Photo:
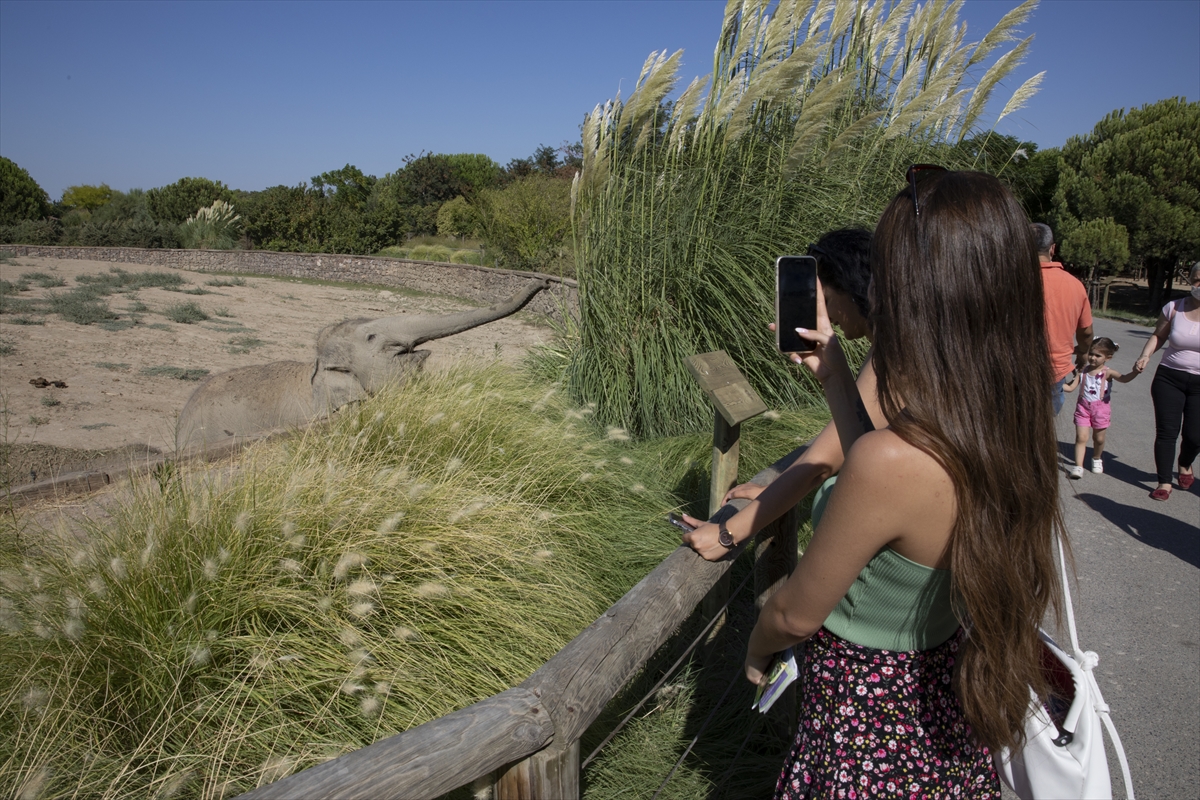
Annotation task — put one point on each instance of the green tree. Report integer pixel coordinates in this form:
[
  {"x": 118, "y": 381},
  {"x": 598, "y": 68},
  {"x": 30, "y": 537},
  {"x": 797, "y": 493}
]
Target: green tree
[
  {"x": 1142, "y": 169},
  {"x": 20, "y": 196},
  {"x": 285, "y": 218},
  {"x": 182, "y": 199},
  {"x": 1097, "y": 244},
  {"x": 87, "y": 197},
  {"x": 1031, "y": 174},
  {"x": 347, "y": 186},
  {"x": 124, "y": 207},
  {"x": 526, "y": 223},
  {"x": 457, "y": 218},
  {"x": 476, "y": 170}
]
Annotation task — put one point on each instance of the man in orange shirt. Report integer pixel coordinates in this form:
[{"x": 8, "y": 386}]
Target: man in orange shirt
[{"x": 1068, "y": 314}]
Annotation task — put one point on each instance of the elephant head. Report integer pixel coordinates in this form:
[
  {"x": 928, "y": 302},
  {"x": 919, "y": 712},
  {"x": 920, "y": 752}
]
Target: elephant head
[{"x": 359, "y": 356}]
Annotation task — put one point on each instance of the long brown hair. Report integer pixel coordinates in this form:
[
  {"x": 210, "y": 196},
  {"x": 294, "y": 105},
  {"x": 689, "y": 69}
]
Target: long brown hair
[{"x": 964, "y": 375}]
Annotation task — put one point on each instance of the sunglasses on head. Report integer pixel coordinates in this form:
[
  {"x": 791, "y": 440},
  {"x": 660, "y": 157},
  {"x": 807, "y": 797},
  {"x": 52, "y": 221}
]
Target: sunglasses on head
[{"x": 917, "y": 173}]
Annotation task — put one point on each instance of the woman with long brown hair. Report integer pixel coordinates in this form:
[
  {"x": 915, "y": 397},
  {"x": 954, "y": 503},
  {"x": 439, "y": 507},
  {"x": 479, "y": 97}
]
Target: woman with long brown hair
[{"x": 931, "y": 568}]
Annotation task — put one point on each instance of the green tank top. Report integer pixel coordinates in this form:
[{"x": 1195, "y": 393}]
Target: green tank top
[{"x": 894, "y": 603}]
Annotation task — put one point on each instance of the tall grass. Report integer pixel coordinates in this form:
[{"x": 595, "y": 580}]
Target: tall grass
[
  {"x": 215, "y": 227},
  {"x": 427, "y": 549},
  {"x": 812, "y": 112}
]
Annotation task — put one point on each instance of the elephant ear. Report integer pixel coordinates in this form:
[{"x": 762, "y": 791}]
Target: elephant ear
[{"x": 334, "y": 387}]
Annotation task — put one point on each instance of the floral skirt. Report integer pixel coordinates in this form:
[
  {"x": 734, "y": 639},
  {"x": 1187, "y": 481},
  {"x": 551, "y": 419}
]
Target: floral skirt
[{"x": 882, "y": 723}]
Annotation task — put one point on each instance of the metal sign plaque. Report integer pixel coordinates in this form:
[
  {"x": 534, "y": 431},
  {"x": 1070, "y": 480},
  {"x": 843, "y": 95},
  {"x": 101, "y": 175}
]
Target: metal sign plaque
[{"x": 726, "y": 386}]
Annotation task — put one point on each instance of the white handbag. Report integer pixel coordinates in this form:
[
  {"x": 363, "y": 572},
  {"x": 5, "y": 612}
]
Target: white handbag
[{"x": 1065, "y": 759}]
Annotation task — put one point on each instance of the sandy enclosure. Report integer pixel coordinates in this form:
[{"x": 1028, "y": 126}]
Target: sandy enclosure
[{"x": 120, "y": 391}]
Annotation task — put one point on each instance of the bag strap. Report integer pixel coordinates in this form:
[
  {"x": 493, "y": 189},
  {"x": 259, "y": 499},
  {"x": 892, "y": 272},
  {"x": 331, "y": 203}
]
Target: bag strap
[{"x": 1087, "y": 662}]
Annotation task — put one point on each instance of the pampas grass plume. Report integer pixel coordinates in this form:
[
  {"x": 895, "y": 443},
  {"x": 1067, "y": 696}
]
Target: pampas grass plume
[
  {"x": 432, "y": 589},
  {"x": 347, "y": 563},
  {"x": 404, "y": 634}
]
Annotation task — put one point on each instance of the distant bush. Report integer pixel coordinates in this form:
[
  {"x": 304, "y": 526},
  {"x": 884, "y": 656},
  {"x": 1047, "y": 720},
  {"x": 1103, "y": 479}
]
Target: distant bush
[
  {"x": 527, "y": 223},
  {"x": 44, "y": 280},
  {"x": 77, "y": 307},
  {"x": 38, "y": 232},
  {"x": 427, "y": 252},
  {"x": 20, "y": 196},
  {"x": 175, "y": 203},
  {"x": 185, "y": 313},
  {"x": 117, "y": 280},
  {"x": 467, "y": 257},
  {"x": 458, "y": 218}
]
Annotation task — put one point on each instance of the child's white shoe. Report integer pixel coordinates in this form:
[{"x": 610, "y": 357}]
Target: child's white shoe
[
  {"x": 1076, "y": 473},
  {"x": 1097, "y": 465}
]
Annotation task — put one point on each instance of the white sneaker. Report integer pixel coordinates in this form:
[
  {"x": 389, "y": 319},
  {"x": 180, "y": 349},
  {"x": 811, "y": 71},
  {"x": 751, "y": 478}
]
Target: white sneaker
[
  {"x": 1075, "y": 473},
  {"x": 1097, "y": 465}
]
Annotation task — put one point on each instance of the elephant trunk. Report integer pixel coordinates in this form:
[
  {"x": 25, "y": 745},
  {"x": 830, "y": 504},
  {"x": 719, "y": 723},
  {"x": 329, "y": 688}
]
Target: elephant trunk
[{"x": 457, "y": 323}]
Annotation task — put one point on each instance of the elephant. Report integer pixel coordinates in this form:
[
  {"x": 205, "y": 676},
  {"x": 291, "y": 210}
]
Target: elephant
[{"x": 355, "y": 358}]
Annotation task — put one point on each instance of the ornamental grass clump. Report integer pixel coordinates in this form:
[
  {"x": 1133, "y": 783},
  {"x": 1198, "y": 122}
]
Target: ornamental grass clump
[
  {"x": 422, "y": 551},
  {"x": 810, "y": 116},
  {"x": 213, "y": 228}
]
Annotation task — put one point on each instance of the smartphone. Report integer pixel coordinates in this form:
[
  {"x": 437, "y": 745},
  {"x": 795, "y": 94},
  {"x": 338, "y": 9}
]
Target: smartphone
[
  {"x": 795, "y": 302},
  {"x": 679, "y": 523}
]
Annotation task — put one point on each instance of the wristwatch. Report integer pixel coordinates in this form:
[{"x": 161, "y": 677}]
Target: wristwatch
[{"x": 724, "y": 537}]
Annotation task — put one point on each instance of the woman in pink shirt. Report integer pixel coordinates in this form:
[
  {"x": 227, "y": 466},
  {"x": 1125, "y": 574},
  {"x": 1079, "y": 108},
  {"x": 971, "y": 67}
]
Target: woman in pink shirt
[{"x": 1176, "y": 387}]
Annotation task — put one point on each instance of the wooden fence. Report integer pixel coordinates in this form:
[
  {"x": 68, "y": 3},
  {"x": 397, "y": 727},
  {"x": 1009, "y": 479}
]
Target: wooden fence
[{"x": 524, "y": 742}]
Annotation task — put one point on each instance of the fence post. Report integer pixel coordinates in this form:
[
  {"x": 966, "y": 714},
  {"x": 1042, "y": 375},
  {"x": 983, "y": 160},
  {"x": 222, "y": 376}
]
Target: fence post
[{"x": 549, "y": 774}]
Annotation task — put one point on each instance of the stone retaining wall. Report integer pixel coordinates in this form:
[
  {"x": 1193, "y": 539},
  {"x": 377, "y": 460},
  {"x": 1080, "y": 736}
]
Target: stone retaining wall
[{"x": 480, "y": 284}]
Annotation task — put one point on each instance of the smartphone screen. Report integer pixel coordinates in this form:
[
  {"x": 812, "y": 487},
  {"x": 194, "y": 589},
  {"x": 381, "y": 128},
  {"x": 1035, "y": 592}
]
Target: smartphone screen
[{"x": 795, "y": 301}]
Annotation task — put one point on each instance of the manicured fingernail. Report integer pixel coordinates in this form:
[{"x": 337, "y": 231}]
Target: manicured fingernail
[{"x": 801, "y": 330}]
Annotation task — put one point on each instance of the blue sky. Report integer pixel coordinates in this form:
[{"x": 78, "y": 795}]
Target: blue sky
[{"x": 254, "y": 94}]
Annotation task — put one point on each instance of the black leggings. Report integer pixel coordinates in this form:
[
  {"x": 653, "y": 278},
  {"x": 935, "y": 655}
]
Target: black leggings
[{"x": 1176, "y": 397}]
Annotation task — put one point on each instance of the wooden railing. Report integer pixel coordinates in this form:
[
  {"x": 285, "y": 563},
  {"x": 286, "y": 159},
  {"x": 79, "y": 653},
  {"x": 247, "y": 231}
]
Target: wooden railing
[{"x": 524, "y": 742}]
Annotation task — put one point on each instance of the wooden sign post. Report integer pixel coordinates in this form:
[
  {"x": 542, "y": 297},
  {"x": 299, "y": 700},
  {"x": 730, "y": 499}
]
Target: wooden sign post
[{"x": 735, "y": 402}]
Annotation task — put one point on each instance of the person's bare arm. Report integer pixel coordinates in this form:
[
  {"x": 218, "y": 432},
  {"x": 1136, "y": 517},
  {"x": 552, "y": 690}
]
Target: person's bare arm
[
  {"x": 1083, "y": 345},
  {"x": 1113, "y": 375},
  {"x": 1162, "y": 331},
  {"x": 1073, "y": 384},
  {"x": 822, "y": 459}
]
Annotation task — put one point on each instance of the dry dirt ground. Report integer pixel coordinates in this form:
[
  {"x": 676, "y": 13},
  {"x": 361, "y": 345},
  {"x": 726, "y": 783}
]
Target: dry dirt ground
[{"x": 120, "y": 395}]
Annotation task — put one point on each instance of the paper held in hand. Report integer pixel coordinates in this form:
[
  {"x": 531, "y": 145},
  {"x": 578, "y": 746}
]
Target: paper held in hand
[{"x": 781, "y": 675}]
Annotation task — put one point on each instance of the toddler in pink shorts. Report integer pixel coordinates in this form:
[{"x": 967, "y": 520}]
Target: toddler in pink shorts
[{"x": 1093, "y": 411}]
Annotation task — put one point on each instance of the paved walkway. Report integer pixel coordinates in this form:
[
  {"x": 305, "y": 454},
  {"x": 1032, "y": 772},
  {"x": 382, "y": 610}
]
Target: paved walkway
[{"x": 1137, "y": 602}]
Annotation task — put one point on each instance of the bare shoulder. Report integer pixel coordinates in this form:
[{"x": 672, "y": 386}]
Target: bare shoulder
[{"x": 897, "y": 470}]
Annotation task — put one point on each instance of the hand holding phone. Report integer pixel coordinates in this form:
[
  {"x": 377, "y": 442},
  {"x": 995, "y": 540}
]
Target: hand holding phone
[
  {"x": 675, "y": 520},
  {"x": 795, "y": 302}
]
